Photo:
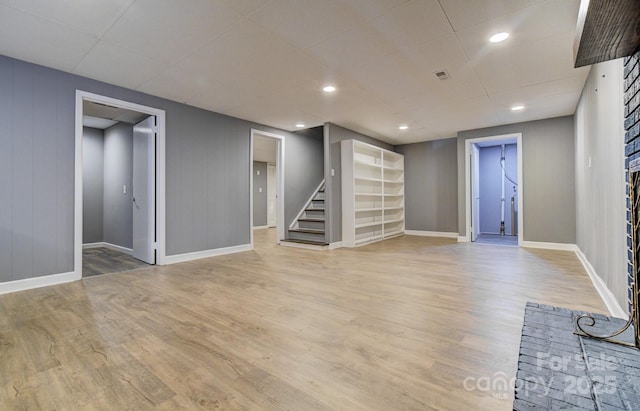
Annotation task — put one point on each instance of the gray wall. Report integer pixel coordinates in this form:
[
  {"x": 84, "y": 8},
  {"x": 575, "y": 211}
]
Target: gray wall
[
  {"x": 118, "y": 172},
  {"x": 92, "y": 184},
  {"x": 333, "y": 135},
  {"x": 207, "y": 170},
  {"x": 259, "y": 194},
  {"x": 548, "y": 178},
  {"x": 600, "y": 177},
  {"x": 431, "y": 185},
  {"x": 304, "y": 169},
  {"x": 490, "y": 187}
]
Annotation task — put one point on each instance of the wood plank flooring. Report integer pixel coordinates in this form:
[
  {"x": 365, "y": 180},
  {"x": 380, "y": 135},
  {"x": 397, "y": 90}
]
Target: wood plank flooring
[
  {"x": 103, "y": 260},
  {"x": 394, "y": 325}
]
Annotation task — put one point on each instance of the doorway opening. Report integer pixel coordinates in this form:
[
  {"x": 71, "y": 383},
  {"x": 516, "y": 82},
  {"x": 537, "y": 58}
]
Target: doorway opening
[
  {"x": 119, "y": 185},
  {"x": 267, "y": 184},
  {"x": 494, "y": 211}
]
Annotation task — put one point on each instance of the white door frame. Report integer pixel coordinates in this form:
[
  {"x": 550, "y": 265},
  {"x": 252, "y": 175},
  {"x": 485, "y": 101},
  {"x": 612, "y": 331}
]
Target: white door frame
[
  {"x": 467, "y": 173},
  {"x": 160, "y": 174},
  {"x": 272, "y": 184},
  {"x": 279, "y": 183}
]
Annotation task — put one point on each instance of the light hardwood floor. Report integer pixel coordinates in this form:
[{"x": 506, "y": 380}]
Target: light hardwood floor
[{"x": 395, "y": 325}]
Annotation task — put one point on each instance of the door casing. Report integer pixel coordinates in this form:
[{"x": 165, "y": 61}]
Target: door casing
[{"x": 160, "y": 174}]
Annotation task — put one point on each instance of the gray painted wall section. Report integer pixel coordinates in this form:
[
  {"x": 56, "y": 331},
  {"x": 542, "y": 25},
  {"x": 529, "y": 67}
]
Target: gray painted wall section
[
  {"x": 490, "y": 187},
  {"x": 431, "y": 185},
  {"x": 304, "y": 168},
  {"x": 548, "y": 177},
  {"x": 333, "y": 135},
  {"x": 259, "y": 194},
  {"x": 92, "y": 185},
  {"x": 600, "y": 176},
  {"x": 207, "y": 170},
  {"x": 118, "y": 172}
]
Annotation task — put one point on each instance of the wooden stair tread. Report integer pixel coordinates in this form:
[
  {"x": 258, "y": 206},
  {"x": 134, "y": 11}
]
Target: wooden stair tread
[
  {"x": 311, "y": 242},
  {"x": 315, "y": 220},
  {"x": 307, "y": 231},
  {"x": 314, "y": 209}
]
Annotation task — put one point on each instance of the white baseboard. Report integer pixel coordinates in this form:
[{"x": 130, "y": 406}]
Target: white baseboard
[
  {"x": 260, "y": 227},
  {"x": 463, "y": 239},
  {"x": 304, "y": 246},
  {"x": 549, "y": 246},
  {"x": 605, "y": 293},
  {"x": 37, "y": 282},
  {"x": 419, "y": 233},
  {"x": 180, "y": 258},
  {"x": 337, "y": 244},
  {"x": 108, "y": 245}
]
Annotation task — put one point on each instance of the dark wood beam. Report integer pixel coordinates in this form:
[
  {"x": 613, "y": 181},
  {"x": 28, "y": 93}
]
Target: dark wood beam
[{"x": 607, "y": 30}]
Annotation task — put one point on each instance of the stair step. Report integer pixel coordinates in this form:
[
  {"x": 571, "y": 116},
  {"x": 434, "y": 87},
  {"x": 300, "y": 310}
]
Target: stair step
[
  {"x": 311, "y": 242},
  {"x": 318, "y": 199},
  {"x": 314, "y": 209},
  {"x": 307, "y": 231},
  {"x": 311, "y": 219}
]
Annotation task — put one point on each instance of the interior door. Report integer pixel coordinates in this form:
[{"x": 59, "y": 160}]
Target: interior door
[
  {"x": 271, "y": 195},
  {"x": 144, "y": 190},
  {"x": 475, "y": 192}
]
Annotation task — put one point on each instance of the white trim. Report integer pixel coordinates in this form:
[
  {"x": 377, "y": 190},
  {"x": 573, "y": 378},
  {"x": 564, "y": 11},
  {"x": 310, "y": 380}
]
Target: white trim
[
  {"x": 463, "y": 239},
  {"x": 180, "y": 258},
  {"x": 334, "y": 245},
  {"x": 520, "y": 190},
  {"x": 420, "y": 233},
  {"x": 108, "y": 245},
  {"x": 549, "y": 246},
  {"x": 160, "y": 174},
  {"x": 37, "y": 282},
  {"x": 261, "y": 227},
  {"x": 294, "y": 223},
  {"x": 279, "y": 183},
  {"x": 605, "y": 293},
  {"x": 304, "y": 246}
]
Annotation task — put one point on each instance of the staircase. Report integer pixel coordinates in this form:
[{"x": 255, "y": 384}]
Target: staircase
[{"x": 309, "y": 227}]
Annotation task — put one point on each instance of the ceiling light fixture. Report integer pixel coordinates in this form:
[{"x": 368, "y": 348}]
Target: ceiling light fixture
[
  {"x": 517, "y": 108},
  {"x": 329, "y": 89},
  {"x": 300, "y": 125},
  {"x": 403, "y": 127},
  {"x": 498, "y": 37}
]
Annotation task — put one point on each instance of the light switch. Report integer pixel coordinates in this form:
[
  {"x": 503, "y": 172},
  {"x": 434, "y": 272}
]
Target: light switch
[
  {"x": 258, "y": 172},
  {"x": 333, "y": 172},
  {"x": 260, "y": 190},
  {"x": 124, "y": 189}
]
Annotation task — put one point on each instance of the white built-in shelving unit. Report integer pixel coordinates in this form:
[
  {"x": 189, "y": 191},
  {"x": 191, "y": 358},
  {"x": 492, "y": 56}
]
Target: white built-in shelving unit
[{"x": 372, "y": 193}]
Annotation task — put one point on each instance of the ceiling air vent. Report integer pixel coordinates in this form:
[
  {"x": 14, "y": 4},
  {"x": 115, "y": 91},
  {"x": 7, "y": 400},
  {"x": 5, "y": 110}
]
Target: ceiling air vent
[{"x": 441, "y": 74}]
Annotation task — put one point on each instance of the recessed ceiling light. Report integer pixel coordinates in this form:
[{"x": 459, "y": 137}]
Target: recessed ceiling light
[
  {"x": 517, "y": 108},
  {"x": 329, "y": 89},
  {"x": 498, "y": 37},
  {"x": 403, "y": 127},
  {"x": 300, "y": 125}
]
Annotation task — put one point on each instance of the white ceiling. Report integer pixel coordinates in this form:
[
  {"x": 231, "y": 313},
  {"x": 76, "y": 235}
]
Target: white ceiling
[{"x": 267, "y": 60}]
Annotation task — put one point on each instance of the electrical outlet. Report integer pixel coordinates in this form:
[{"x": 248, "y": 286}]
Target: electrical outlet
[
  {"x": 257, "y": 172},
  {"x": 333, "y": 172},
  {"x": 260, "y": 190},
  {"x": 124, "y": 189}
]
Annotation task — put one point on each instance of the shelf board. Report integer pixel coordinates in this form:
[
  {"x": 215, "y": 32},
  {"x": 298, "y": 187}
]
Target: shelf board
[
  {"x": 394, "y": 195},
  {"x": 369, "y": 224},
  {"x": 377, "y": 180},
  {"x": 369, "y": 194},
  {"x": 397, "y": 220},
  {"x": 393, "y": 208},
  {"x": 367, "y": 164},
  {"x": 368, "y": 210},
  {"x": 392, "y": 182}
]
